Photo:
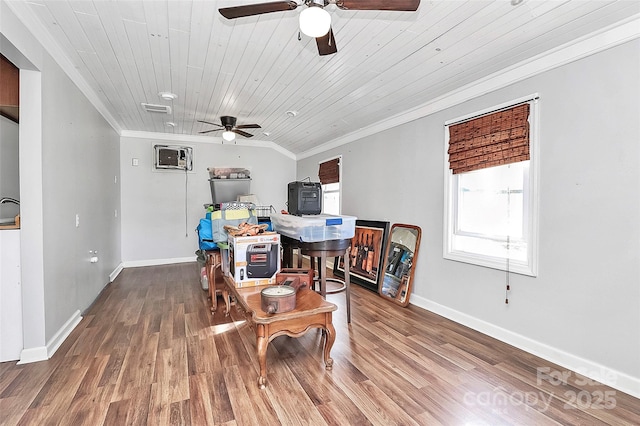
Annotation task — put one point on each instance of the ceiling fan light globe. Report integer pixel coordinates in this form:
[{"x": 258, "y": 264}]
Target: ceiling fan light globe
[
  {"x": 228, "y": 135},
  {"x": 315, "y": 21}
]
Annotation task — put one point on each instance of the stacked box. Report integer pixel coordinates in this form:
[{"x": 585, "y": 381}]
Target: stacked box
[{"x": 254, "y": 260}]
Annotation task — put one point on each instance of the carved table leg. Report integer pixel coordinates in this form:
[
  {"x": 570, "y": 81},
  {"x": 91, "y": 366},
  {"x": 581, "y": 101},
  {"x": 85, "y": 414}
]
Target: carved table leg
[
  {"x": 262, "y": 342},
  {"x": 227, "y": 303},
  {"x": 328, "y": 344}
]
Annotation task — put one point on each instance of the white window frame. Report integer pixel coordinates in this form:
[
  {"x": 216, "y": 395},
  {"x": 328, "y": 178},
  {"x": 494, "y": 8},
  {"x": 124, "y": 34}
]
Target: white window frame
[
  {"x": 531, "y": 202},
  {"x": 339, "y": 191}
]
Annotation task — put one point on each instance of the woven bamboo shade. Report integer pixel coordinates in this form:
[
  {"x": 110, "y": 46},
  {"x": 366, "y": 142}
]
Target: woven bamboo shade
[
  {"x": 329, "y": 171},
  {"x": 491, "y": 140}
]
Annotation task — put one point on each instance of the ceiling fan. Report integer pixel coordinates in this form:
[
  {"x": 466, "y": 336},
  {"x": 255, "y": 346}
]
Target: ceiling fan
[
  {"x": 228, "y": 124},
  {"x": 315, "y": 21}
]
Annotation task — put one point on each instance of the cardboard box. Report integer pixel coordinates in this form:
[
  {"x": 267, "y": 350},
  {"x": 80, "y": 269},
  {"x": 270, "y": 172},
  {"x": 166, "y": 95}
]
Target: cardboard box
[{"x": 254, "y": 260}]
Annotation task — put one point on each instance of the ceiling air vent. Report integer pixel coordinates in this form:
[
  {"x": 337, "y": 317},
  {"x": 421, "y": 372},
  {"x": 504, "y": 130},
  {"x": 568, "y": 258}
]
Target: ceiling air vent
[{"x": 164, "y": 109}]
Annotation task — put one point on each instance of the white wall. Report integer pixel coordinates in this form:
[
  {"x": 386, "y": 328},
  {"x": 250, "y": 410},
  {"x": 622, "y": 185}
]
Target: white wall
[
  {"x": 155, "y": 227},
  {"x": 583, "y": 309}
]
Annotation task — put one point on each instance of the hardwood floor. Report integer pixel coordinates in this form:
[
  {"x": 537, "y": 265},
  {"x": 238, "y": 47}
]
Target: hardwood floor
[{"x": 150, "y": 352}]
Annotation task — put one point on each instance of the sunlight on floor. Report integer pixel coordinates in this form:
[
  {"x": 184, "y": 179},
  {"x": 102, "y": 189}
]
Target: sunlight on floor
[{"x": 223, "y": 328}]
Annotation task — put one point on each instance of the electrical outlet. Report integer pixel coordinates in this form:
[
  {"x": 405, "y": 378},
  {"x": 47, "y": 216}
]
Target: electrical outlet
[
  {"x": 77, "y": 220},
  {"x": 134, "y": 162},
  {"x": 115, "y": 213}
]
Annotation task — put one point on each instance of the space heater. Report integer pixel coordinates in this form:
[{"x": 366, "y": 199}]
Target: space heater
[
  {"x": 304, "y": 198},
  {"x": 262, "y": 260}
]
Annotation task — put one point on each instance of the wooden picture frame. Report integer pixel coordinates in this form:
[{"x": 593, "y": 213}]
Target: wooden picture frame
[{"x": 367, "y": 252}]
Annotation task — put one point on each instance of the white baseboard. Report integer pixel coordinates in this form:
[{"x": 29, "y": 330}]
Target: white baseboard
[
  {"x": 54, "y": 343},
  {"x": 601, "y": 373},
  {"x": 116, "y": 272},
  {"x": 33, "y": 355},
  {"x": 43, "y": 353},
  {"x": 154, "y": 262}
]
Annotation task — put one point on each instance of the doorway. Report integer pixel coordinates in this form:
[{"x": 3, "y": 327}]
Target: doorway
[{"x": 28, "y": 315}]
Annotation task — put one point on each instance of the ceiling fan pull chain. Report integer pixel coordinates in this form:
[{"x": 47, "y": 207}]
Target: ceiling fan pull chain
[{"x": 299, "y": 36}]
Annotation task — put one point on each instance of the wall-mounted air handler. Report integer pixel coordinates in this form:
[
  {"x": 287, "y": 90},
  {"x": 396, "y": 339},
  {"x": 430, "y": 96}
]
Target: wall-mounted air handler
[{"x": 173, "y": 157}]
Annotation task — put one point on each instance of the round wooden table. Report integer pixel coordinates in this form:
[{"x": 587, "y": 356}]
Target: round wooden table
[{"x": 321, "y": 250}]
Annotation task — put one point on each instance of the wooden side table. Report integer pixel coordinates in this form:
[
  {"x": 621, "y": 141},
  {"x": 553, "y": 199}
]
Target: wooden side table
[{"x": 311, "y": 311}]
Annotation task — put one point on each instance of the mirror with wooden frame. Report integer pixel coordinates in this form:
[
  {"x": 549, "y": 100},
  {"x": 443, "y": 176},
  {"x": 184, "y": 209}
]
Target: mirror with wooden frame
[{"x": 400, "y": 262}]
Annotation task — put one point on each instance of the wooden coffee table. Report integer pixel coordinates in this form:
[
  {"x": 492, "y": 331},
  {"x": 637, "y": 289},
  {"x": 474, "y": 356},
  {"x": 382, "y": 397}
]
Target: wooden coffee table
[{"x": 311, "y": 311}]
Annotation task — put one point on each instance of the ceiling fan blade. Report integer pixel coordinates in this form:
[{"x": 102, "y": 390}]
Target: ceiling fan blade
[
  {"x": 257, "y": 9},
  {"x": 241, "y": 133},
  {"x": 326, "y": 44},
  {"x": 208, "y": 122},
  {"x": 400, "y": 5},
  {"x": 249, "y": 126},
  {"x": 209, "y": 131}
]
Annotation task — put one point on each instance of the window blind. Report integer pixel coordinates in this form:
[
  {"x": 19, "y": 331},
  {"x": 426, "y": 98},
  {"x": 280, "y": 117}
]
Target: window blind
[
  {"x": 491, "y": 140},
  {"x": 329, "y": 171}
]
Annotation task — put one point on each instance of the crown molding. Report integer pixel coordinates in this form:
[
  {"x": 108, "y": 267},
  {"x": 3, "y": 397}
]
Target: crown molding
[
  {"x": 176, "y": 137},
  {"x": 614, "y": 35}
]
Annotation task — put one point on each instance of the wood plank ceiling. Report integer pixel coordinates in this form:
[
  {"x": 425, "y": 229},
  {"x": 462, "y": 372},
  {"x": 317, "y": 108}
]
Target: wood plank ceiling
[{"x": 258, "y": 68}]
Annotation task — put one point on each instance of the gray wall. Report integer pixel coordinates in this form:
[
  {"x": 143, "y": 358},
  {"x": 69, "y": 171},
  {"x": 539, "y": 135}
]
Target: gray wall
[
  {"x": 584, "y": 306},
  {"x": 80, "y": 176},
  {"x": 155, "y": 227},
  {"x": 69, "y": 157},
  {"x": 9, "y": 169}
]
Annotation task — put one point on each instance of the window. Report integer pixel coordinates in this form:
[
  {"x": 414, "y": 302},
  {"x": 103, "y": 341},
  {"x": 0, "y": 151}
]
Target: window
[
  {"x": 329, "y": 174},
  {"x": 490, "y": 195}
]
